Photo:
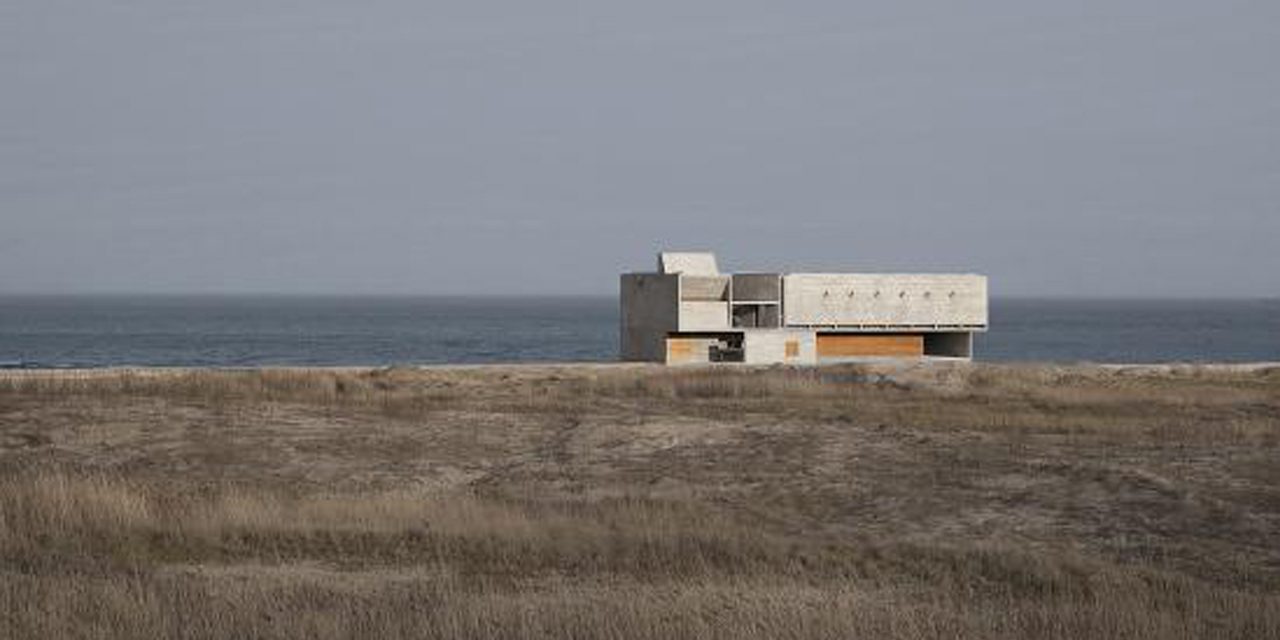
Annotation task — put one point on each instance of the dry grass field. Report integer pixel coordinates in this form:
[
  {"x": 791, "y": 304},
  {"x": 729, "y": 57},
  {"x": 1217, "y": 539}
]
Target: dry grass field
[{"x": 910, "y": 502}]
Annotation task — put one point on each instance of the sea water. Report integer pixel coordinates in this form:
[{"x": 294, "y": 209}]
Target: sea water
[{"x": 230, "y": 331}]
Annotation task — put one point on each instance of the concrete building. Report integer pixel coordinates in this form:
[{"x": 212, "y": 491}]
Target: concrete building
[{"x": 689, "y": 312}]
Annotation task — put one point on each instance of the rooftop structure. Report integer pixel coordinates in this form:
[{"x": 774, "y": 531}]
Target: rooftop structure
[{"x": 688, "y": 312}]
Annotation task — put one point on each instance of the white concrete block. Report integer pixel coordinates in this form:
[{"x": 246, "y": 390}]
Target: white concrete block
[
  {"x": 779, "y": 346},
  {"x": 704, "y": 315},
  {"x": 692, "y": 263},
  {"x": 888, "y": 300}
]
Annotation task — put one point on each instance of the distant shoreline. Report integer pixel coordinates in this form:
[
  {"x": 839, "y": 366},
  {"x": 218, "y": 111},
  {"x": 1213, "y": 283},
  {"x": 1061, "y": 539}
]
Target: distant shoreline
[{"x": 877, "y": 365}]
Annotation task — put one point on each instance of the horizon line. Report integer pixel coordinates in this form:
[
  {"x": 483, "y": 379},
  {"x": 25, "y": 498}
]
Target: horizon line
[{"x": 489, "y": 295}]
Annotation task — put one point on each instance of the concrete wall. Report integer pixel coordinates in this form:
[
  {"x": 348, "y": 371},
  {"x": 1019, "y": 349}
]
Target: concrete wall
[
  {"x": 702, "y": 315},
  {"x": 757, "y": 287},
  {"x": 884, "y": 301},
  {"x": 699, "y": 263},
  {"x": 650, "y": 310},
  {"x": 704, "y": 287},
  {"x": 779, "y": 346}
]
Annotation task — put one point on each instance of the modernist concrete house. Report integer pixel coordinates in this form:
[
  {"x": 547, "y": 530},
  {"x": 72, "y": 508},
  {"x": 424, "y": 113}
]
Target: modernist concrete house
[{"x": 688, "y": 312}]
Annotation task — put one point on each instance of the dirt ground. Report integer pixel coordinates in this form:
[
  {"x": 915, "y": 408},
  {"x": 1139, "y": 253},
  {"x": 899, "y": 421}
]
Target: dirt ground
[{"x": 848, "y": 495}]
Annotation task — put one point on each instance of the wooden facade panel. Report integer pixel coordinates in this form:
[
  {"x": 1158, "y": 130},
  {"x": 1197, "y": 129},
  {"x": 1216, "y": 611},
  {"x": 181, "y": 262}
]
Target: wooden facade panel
[
  {"x": 869, "y": 345},
  {"x": 689, "y": 350},
  {"x": 793, "y": 349}
]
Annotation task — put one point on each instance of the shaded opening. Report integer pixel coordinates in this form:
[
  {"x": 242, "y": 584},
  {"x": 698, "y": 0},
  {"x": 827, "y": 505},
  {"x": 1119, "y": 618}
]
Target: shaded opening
[
  {"x": 756, "y": 316},
  {"x": 951, "y": 344}
]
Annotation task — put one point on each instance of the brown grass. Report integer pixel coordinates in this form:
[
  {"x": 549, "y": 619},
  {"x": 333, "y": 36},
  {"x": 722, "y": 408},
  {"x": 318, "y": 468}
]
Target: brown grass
[{"x": 636, "y": 502}]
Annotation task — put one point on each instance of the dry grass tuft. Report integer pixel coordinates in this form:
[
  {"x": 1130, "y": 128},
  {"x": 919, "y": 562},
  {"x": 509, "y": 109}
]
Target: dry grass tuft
[{"x": 623, "y": 502}]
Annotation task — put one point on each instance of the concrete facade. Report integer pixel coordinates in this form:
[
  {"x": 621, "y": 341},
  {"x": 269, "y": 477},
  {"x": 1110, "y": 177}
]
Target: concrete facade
[
  {"x": 769, "y": 346},
  {"x": 650, "y": 313},
  {"x": 885, "y": 301},
  {"x": 688, "y": 312}
]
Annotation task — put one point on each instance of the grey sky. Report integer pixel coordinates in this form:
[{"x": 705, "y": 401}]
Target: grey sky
[{"x": 1094, "y": 147}]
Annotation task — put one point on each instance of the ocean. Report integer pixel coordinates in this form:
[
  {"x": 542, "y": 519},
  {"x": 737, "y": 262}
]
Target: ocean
[{"x": 241, "y": 331}]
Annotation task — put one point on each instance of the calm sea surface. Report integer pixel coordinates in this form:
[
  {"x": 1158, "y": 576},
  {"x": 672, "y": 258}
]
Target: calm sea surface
[{"x": 92, "y": 331}]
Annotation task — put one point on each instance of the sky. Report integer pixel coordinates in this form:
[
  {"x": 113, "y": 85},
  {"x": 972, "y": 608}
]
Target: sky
[{"x": 1088, "y": 148}]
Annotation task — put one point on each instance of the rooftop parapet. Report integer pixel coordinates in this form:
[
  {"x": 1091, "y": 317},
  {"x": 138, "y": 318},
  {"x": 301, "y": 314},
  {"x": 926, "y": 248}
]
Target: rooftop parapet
[{"x": 690, "y": 263}]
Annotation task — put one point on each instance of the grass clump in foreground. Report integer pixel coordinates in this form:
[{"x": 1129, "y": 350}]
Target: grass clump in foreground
[{"x": 551, "y": 502}]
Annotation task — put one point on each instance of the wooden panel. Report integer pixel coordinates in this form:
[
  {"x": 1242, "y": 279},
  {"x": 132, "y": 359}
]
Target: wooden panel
[
  {"x": 680, "y": 348},
  {"x": 859, "y": 345},
  {"x": 793, "y": 348},
  {"x": 688, "y": 350}
]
